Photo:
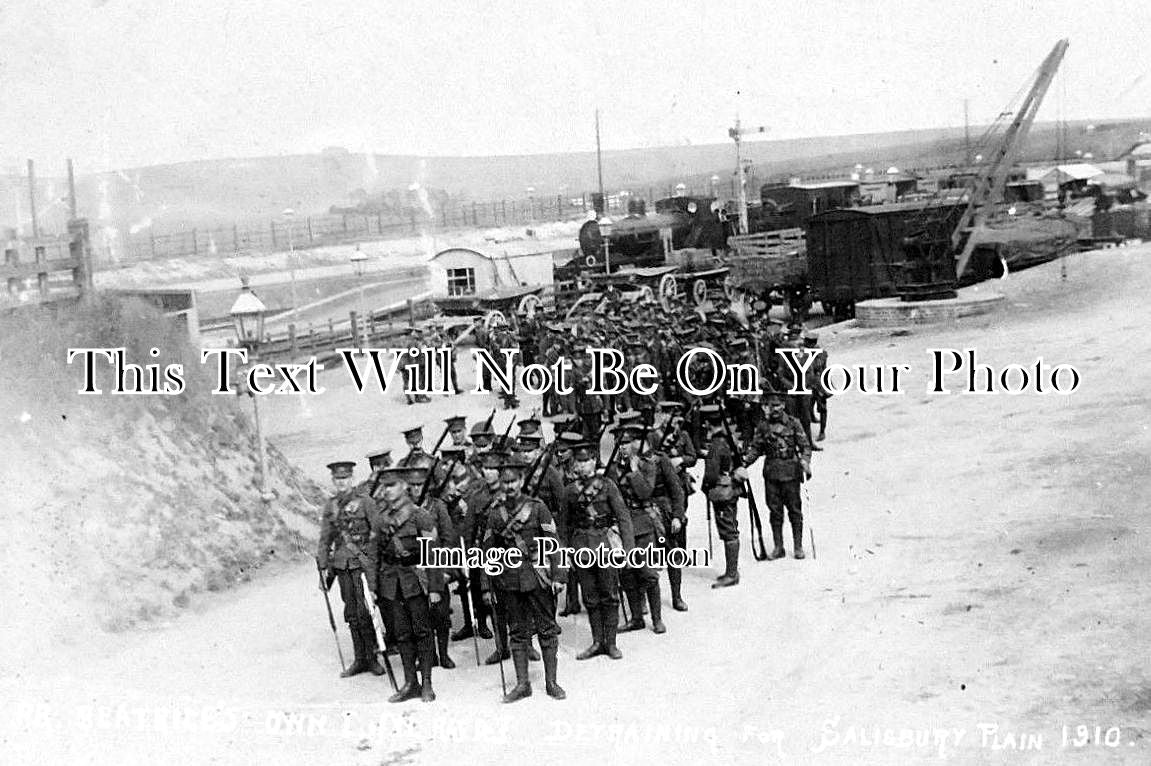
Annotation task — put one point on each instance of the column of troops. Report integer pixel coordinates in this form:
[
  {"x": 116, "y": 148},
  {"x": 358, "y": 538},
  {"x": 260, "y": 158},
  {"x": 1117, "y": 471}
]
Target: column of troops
[{"x": 479, "y": 488}]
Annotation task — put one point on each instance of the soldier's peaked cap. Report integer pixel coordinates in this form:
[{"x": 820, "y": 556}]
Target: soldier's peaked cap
[
  {"x": 414, "y": 430},
  {"x": 584, "y": 451},
  {"x": 669, "y": 405},
  {"x": 342, "y": 469},
  {"x": 380, "y": 453},
  {"x": 569, "y": 440},
  {"x": 415, "y": 474},
  {"x": 456, "y": 421},
  {"x": 493, "y": 458},
  {"x": 514, "y": 467},
  {"x": 710, "y": 411},
  {"x": 482, "y": 428},
  {"x": 392, "y": 475},
  {"x": 628, "y": 431},
  {"x": 530, "y": 421},
  {"x": 628, "y": 417}
]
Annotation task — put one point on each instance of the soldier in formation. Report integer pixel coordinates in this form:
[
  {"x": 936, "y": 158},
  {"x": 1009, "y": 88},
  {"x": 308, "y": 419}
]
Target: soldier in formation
[
  {"x": 342, "y": 556},
  {"x": 484, "y": 489},
  {"x": 525, "y": 595}
]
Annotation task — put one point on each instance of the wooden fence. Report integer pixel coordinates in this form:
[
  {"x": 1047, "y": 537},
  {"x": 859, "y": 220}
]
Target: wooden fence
[
  {"x": 44, "y": 269},
  {"x": 380, "y": 328}
]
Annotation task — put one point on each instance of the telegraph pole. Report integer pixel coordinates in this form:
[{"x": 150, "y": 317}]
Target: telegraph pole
[
  {"x": 599, "y": 161},
  {"x": 736, "y": 134}
]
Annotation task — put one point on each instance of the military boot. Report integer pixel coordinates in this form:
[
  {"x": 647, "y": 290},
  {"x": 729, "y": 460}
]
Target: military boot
[
  {"x": 501, "y": 653},
  {"x": 635, "y": 606},
  {"x": 595, "y": 622},
  {"x": 571, "y": 599},
  {"x": 797, "y": 537},
  {"x": 360, "y": 663},
  {"x": 777, "y": 540},
  {"x": 411, "y": 688},
  {"x": 426, "y": 693},
  {"x": 731, "y": 558},
  {"x": 675, "y": 577},
  {"x": 655, "y": 601},
  {"x": 609, "y": 631},
  {"x": 442, "y": 647},
  {"x": 370, "y": 651},
  {"x": 551, "y": 661},
  {"x": 523, "y": 687},
  {"x": 466, "y": 631}
]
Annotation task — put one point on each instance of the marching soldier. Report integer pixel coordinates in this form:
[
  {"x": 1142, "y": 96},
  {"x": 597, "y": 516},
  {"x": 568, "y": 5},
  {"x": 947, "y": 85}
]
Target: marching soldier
[
  {"x": 483, "y": 435},
  {"x": 819, "y": 394},
  {"x": 594, "y": 514},
  {"x": 345, "y": 529},
  {"x": 458, "y": 431},
  {"x": 480, "y": 495},
  {"x": 651, "y": 490},
  {"x": 459, "y": 485},
  {"x": 527, "y": 593},
  {"x": 796, "y": 405},
  {"x": 416, "y": 457},
  {"x": 400, "y": 585},
  {"x": 438, "y": 579},
  {"x": 722, "y": 492},
  {"x": 562, "y": 466},
  {"x": 787, "y": 462},
  {"x": 669, "y": 438},
  {"x": 377, "y": 461}
]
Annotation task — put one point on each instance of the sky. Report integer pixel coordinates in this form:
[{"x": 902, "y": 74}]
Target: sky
[{"x": 124, "y": 83}]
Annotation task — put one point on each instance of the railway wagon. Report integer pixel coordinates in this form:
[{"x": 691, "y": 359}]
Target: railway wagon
[{"x": 858, "y": 253}]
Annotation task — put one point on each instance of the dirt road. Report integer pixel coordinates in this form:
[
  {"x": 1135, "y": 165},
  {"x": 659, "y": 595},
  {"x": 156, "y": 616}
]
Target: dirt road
[{"x": 980, "y": 585}]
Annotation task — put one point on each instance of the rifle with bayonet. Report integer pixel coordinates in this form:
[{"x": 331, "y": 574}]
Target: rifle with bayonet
[
  {"x": 324, "y": 585},
  {"x": 378, "y": 627},
  {"x": 502, "y": 442}
]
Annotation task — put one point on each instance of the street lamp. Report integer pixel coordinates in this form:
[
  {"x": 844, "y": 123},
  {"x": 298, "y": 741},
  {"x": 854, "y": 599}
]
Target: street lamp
[
  {"x": 358, "y": 259},
  {"x": 289, "y": 214},
  {"x": 248, "y": 314}
]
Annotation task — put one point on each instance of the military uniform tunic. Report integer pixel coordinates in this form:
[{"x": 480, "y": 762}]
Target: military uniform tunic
[
  {"x": 394, "y": 549},
  {"x": 524, "y": 592},
  {"x": 786, "y": 453},
  {"x": 594, "y": 514},
  {"x": 345, "y": 530}
]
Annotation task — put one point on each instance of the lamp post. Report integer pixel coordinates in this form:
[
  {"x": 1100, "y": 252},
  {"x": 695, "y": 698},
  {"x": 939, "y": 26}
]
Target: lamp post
[
  {"x": 289, "y": 215},
  {"x": 358, "y": 259},
  {"x": 248, "y": 314}
]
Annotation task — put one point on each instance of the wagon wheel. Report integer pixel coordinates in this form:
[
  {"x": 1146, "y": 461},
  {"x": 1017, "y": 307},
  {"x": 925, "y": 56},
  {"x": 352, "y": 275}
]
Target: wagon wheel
[
  {"x": 646, "y": 295},
  {"x": 668, "y": 291},
  {"x": 529, "y": 304},
  {"x": 730, "y": 289},
  {"x": 494, "y": 318},
  {"x": 699, "y": 291}
]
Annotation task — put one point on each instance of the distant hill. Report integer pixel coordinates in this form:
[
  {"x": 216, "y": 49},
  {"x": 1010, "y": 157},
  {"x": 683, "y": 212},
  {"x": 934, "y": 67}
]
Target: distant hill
[{"x": 247, "y": 190}]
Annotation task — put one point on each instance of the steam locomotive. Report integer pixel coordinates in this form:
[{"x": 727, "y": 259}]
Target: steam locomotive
[{"x": 642, "y": 239}]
